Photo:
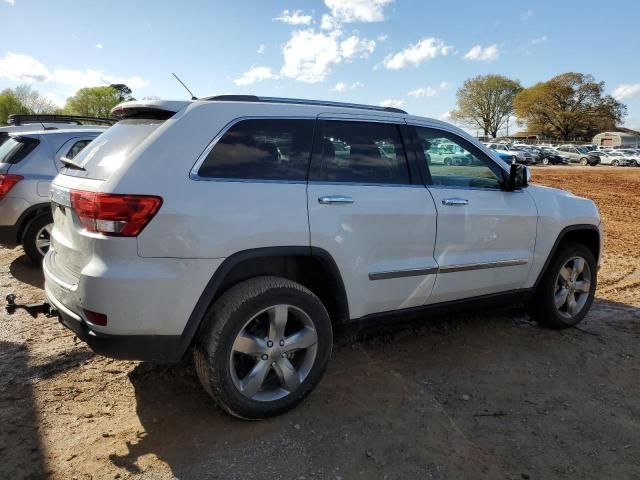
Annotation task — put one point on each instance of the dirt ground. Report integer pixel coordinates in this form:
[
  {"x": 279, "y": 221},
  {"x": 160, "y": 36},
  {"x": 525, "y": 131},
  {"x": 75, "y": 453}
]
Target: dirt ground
[{"x": 481, "y": 395}]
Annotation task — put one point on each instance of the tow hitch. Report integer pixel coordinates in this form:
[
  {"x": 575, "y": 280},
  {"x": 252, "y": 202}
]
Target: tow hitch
[{"x": 33, "y": 309}]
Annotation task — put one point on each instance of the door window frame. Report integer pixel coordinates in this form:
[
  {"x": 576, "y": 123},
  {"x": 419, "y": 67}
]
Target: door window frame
[
  {"x": 497, "y": 170},
  {"x": 404, "y": 134}
]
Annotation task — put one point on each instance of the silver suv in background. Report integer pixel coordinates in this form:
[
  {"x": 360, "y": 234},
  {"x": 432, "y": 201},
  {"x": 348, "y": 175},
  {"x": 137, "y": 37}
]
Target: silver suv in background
[{"x": 28, "y": 162}]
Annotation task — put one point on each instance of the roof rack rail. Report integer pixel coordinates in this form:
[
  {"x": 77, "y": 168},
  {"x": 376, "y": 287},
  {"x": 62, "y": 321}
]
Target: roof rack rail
[
  {"x": 299, "y": 101},
  {"x": 16, "y": 120}
]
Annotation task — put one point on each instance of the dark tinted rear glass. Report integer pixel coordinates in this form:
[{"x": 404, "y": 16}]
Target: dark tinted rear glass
[
  {"x": 15, "y": 149},
  {"x": 269, "y": 149},
  {"x": 361, "y": 152}
]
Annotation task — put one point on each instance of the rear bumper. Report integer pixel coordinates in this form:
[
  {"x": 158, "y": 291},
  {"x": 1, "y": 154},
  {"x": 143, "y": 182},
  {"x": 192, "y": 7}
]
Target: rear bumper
[{"x": 153, "y": 348}]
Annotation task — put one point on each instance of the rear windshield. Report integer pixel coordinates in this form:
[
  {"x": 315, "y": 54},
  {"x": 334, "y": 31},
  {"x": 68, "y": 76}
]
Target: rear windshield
[
  {"x": 107, "y": 153},
  {"x": 14, "y": 149}
]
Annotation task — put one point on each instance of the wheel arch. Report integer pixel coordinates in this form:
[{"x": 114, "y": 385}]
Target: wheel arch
[
  {"x": 28, "y": 216},
  {"x": 312, "y": 267},
  {"x": 585, "y": 234}
]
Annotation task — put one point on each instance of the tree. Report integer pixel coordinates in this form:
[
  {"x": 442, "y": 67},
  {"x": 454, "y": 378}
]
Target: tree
[
  {"x": 33, "y": 101},
  {"x": 10, "y": 104},
  {"x": 124, "y": 92},
  {"x": 569, "y": 106},
  {"x": 93, "y": 101},
  {"x": 486, "y": 102}
]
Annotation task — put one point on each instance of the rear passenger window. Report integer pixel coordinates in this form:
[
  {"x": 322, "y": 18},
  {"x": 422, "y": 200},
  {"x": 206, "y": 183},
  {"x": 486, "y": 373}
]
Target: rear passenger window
[
  {"x": 360, "y": 152},
  {"x": 270, "y": 149}
]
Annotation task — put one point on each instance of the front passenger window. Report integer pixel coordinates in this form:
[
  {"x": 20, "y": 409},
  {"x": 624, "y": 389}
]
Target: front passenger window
[{"x": 454, "y": 162}]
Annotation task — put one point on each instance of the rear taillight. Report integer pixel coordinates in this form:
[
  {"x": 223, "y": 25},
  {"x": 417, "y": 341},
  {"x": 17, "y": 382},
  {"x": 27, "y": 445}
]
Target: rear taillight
[
  {"x": 7, "y": 181},
  {"x": 114, "y": 214}
]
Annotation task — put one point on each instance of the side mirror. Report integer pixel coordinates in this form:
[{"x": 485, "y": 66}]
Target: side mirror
[{"x": 519, "y": 176}]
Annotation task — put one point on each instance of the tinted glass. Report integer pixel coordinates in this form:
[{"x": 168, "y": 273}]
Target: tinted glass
[
  {"x": 15, "y": 149},
  {"x": 362, "y": 152},
  {"x": 270, "y": 149},
  {"x": 454, "y": 162},
  {"x": 77, "y": 148}
]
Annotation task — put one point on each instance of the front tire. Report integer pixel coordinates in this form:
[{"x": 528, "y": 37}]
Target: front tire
[
  {"x": 615, "y": 163},
  {"x": 584, "y": 162},
  {"x": 264, "y": 347},
  {"x": 545, "y": 161},
  {"x": 37, "y": 238},
  {"x": 565, "y": 292}
]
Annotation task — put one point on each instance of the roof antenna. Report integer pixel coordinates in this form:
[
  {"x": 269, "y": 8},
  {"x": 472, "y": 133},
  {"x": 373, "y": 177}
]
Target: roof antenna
[{"x": 193, "y": 97}]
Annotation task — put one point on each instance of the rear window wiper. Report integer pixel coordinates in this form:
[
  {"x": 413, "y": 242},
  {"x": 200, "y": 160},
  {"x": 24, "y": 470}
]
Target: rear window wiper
[{"x": 67, "y": 162}]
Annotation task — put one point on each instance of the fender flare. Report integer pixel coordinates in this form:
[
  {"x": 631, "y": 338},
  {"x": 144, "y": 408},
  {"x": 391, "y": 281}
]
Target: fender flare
[
  {"x": 213, "y": 286},
  {"x": 563, "y": 233}
]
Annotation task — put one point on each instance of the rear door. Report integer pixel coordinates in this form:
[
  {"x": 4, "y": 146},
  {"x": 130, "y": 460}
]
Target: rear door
[
  {"x": 485, "y": 235},
  {"x": 375, "y": 219}
]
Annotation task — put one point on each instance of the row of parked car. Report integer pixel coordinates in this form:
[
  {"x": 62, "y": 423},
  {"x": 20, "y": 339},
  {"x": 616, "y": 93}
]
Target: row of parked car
[
  {"x": 33, "y": 149},
  {"x": 566, "y": 154},
  {"x": 246, "y": 230}
]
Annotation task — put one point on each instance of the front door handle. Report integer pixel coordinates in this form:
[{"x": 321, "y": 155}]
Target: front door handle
[
  {"x": 455, "y": 201},
  {"x": 333, "y": 199}
]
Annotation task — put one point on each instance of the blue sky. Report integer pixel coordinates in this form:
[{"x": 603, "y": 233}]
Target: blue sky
[{"x": 411, "y": 53}]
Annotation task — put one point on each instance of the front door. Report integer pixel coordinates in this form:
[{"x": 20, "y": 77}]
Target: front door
[{"x": 485, "y": 235}]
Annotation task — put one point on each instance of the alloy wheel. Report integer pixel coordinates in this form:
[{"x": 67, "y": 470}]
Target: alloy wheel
[
  {"x": 572, "y": 287},
  {"x": 273, "y": 353},
  {"x": 43, "y": 239}
]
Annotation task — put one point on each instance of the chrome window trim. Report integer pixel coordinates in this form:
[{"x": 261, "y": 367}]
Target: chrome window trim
[
  {"x": 193, "y": 174},
  {"x": 390, "y": 274},
  {"x": 365, "y": 184}
]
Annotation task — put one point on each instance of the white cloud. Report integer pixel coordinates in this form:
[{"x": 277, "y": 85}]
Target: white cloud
[
  {"x": 55, "y": 99},
  {"x": 423, "y": 92},
  {"x": 343, "y": 87},
  {"x": 487, "y": 54},
  {"x": 26, "y": 69},
  {"x": 526, "y": 15},
  {"x": 310, "y": 56},
  {"x": 446, "y": 116},
  {"x": 392, "y": 102},
  {"x": 294, "y": 18},
  {"x": 538, "y": 40},
  {"x": 427, "y": 91},
  {"x": 261, "y": 49},
  {"x": 383, "y": 37},
  {"x": 340, "y": 87},
  {"x": 11, "y": 2},
  {"x": 255, "y": 74},
  {"x": 349, "y": 11},
  {"x": 425, "y": 49},
  {"x": 22, "y": 68},
  {"x": 99, "y": 45},
  {"x": 628, "y": 90},
  {"x": 329, "y": 23},
  {"x": 354, "y": 46}
]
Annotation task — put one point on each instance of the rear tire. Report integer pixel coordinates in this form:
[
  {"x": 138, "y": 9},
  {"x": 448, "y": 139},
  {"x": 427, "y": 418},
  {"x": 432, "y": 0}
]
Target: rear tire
[
  {"x": 37, "y": 238},
  {"x": 615, "y": 163},
  {"x": 566, "y": 290},
  {"x": 264, "y": 346},
  {"x": 545, "y": 161}
]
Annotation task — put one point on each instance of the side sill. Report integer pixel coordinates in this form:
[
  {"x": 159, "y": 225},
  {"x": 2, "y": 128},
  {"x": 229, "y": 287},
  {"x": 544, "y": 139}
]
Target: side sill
[{"x": 496, "y": 301}]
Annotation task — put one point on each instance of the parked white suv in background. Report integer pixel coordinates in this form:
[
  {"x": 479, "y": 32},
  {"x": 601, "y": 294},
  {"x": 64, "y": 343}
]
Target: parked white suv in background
[{"x": 247, "y": 229}]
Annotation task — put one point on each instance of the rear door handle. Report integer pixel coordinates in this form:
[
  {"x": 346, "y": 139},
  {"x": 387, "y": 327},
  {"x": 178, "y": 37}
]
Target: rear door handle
[
  {"x": 333, "y": 199},
  {"x": 455, "y": 201}
]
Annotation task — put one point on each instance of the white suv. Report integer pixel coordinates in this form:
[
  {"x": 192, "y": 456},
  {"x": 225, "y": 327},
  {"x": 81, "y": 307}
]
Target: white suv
[{"x": 247, "y": 229}]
